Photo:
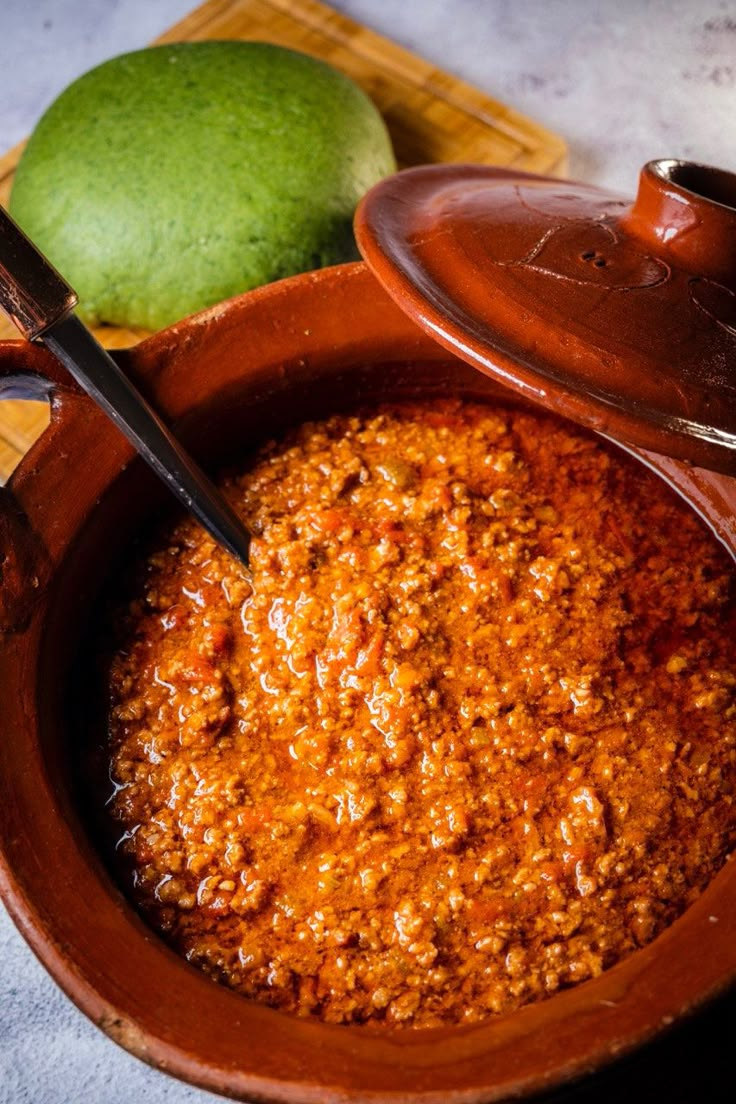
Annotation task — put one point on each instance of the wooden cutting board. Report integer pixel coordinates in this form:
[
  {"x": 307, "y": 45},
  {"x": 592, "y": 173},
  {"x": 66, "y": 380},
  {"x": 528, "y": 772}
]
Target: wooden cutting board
[{"x": 431, "y": 115}]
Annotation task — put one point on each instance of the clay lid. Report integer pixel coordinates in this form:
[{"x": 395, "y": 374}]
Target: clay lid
[{"x": 621, "y": 316}]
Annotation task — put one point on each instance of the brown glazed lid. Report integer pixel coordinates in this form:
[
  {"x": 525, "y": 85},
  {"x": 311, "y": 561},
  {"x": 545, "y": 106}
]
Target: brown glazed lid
[{"x": 620, "y": 316}]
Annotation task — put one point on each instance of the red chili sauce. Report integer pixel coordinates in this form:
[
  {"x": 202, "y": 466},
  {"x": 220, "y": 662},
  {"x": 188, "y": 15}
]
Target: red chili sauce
[{"x": 466, "y": 736}]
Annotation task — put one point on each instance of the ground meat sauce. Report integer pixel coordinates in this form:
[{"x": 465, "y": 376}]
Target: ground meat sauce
[{"x": 467, "y": 736}]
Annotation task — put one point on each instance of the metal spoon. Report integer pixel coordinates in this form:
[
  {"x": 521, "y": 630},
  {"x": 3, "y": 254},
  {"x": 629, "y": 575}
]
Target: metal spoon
[{"x": 41, "y": 304}]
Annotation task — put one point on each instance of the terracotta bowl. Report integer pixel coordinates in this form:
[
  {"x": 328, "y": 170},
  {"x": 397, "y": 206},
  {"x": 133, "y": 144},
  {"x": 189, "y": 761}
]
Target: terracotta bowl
[{"x": 226, "y": 379}]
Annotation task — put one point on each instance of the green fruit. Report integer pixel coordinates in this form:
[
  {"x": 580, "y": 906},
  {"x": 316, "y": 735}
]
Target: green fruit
[{"x": 171, "y": 178}]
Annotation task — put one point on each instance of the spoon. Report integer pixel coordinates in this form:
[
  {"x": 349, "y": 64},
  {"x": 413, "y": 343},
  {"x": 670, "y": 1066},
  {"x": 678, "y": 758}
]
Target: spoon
[{"x": 41, "y": 304}]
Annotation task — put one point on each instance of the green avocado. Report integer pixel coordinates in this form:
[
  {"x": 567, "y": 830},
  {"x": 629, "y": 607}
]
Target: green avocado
[{"x": 168, "y": 179}]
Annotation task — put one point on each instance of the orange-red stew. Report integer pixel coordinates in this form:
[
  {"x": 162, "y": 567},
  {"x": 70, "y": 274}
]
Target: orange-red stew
[{"x": 467, "y": 736}]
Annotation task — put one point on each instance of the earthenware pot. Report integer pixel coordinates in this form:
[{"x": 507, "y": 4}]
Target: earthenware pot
[{"x": 227, "y": 379}]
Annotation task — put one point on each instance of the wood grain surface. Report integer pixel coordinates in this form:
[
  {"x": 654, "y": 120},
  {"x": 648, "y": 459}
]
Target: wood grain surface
[{"x": 431, "y": 115}]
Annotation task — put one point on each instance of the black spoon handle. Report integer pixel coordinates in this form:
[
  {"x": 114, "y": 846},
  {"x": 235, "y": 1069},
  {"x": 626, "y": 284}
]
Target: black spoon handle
[{"x": 40, "y": 303}]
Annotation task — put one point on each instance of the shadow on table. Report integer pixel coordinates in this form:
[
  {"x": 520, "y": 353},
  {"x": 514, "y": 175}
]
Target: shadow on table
[{"x": 693, "y": 1064}]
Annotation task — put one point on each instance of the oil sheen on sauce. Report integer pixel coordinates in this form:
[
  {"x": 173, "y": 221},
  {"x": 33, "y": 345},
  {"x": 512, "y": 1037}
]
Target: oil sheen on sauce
[{"x": 465, "y": 738}]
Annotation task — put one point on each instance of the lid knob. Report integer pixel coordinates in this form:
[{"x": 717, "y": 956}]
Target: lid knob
[{"x": 686, "y": 213}]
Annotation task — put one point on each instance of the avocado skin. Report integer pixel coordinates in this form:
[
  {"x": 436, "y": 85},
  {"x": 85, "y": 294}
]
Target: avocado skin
[{"x": 168, "y": 179}]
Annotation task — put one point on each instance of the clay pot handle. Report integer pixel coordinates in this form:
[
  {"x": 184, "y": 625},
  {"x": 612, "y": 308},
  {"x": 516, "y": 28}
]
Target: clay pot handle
[
  {"x": 27, "y": 372},
  {"x": 34, "y": 296},
  {"x": 686, "y": 213}
]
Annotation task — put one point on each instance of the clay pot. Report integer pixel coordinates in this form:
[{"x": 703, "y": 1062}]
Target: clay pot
[{"x": 226, "y": 379}]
